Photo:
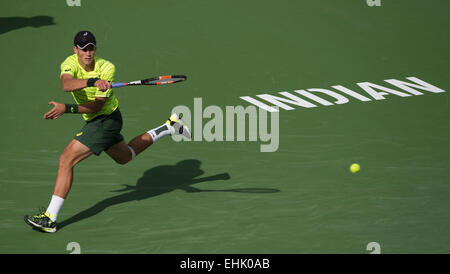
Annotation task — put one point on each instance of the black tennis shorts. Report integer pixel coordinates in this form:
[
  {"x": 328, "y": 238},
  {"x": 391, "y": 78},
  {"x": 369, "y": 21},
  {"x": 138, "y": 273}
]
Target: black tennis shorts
[{"x": 102, "y": 132}]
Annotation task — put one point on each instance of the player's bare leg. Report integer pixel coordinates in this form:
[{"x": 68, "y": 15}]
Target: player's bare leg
[
  {"x": 123, "y": 153},
  {"x": 72, "y": 155}
]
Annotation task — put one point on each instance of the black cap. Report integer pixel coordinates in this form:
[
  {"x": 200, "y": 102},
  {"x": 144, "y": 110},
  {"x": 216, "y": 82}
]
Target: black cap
[{"x": 83, "y": 39}]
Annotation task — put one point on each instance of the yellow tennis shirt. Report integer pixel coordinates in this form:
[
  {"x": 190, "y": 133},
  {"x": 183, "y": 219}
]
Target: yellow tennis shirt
[{"x": 104, "y": 70}]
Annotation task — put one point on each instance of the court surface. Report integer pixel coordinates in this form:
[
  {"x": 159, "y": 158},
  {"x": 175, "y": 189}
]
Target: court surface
[{"x": 228, "y": 196}]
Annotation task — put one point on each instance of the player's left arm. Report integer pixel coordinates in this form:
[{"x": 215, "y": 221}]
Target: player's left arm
[{"x": 91, "y": 107}]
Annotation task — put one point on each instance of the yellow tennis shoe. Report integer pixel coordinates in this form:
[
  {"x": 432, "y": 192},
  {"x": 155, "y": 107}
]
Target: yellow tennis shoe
[{"x": 177, "y": 126}]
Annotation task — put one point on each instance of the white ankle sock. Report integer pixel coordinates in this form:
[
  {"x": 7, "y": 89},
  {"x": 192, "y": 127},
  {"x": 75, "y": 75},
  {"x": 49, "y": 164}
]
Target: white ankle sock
[
  {"x": 159, "y": 132},
  {"x": 55, "y": 205}
]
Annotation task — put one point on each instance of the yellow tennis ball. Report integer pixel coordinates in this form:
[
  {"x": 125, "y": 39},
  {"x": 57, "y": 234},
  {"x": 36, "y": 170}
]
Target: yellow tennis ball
[{"x": 355, "y": 168}]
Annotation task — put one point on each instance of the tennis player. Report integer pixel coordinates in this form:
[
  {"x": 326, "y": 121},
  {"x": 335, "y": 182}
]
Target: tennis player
[{"x": 89, "y": 79}]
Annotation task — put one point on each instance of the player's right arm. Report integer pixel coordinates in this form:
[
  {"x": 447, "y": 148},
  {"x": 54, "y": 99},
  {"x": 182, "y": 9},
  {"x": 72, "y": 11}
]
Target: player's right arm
[{"x": 70, "y": 84}]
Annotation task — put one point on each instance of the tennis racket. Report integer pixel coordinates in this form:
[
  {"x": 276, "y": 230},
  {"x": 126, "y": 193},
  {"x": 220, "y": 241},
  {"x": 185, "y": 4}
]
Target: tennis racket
[{"x": 160, "y": 80}]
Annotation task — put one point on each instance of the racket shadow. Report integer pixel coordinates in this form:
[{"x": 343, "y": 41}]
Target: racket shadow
[{"x": 161, "y": 180}]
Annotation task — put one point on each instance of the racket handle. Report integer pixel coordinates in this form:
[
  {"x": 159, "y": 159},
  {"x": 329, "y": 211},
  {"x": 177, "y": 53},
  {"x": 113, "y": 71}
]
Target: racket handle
[{"x": 118, "y": 85}]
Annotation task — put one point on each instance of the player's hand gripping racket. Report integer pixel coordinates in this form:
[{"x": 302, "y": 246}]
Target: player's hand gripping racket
[{"x": 160, "y": 80}]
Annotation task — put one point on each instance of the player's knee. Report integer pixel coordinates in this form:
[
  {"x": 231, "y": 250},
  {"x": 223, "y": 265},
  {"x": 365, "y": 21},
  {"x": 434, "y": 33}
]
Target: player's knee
[
  {"x": 66, "y": 161},
  {"x": 126, "y": 156},
  {"x": 122, "y": 161}
]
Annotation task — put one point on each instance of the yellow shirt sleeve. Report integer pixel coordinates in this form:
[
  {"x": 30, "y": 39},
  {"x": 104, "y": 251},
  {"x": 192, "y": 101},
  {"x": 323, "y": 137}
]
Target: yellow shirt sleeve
[{"x": 68, "y": 67}]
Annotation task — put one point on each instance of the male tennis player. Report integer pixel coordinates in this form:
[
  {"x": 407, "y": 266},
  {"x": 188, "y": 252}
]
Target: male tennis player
[{"x": 89, "y": 79}]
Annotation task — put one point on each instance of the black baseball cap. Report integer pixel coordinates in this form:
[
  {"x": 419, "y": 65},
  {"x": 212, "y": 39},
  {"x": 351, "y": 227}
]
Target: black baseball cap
[{"x": 83, "y": 39}]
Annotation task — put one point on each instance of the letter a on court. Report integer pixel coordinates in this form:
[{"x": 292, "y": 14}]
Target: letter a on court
[
  {"x": 372, "y": 3},
  {"x": 72, "y": 3}
]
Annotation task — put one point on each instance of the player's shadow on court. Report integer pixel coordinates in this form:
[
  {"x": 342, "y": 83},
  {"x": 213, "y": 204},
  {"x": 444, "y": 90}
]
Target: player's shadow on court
[
  {"x": 12, "y": 23},
  {"x": 160, "y": 180}
]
